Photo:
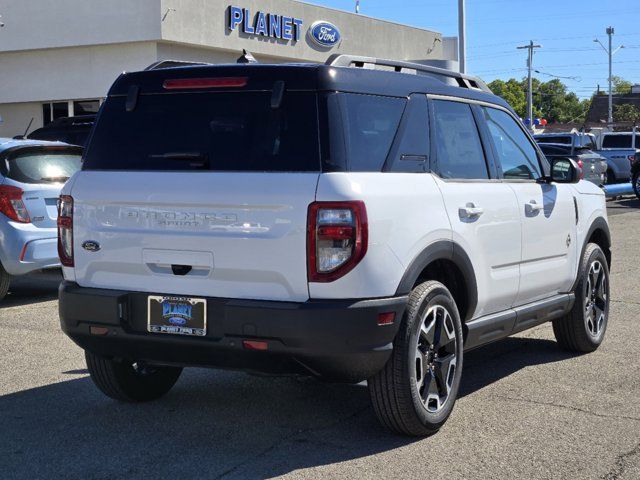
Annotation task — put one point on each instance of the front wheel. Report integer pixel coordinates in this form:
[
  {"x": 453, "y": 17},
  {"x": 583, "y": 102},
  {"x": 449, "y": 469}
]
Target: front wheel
[
  {"x": 415, "y": 392},
  {"x": 130, "y": 381},
  {"x": 636, "y": 183},
  {"x": 583, "y": 328}
]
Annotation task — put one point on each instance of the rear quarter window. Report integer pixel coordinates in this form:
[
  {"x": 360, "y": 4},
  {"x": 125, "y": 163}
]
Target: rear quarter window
[{"x": 616, "y": 141}]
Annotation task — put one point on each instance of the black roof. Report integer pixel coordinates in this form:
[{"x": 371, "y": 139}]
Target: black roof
[{"x": 317, "y": 77}]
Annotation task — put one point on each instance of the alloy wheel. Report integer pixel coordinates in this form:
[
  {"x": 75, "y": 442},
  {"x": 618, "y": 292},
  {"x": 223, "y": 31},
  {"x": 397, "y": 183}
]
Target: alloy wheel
[
  {"x": 596, "y": 298},
  {"x": 435, "y": 358}
]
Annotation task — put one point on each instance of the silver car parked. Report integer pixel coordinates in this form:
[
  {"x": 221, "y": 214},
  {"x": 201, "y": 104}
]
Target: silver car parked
[{"x": 32, "y": 173}]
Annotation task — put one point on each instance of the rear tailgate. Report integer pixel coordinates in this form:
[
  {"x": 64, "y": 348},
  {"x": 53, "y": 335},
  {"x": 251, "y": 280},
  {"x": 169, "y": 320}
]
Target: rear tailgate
[{"x": 239, "y": 235}]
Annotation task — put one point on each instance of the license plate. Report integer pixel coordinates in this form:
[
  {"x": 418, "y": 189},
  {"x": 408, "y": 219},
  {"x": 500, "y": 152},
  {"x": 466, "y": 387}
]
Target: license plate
[{"x": 177, "y": 315}]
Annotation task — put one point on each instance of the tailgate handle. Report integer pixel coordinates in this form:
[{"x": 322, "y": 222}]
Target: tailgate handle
[{"x": 180, "y": 270}]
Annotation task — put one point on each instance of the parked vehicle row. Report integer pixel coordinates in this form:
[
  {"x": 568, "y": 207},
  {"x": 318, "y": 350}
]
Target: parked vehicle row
[
  {"x": 31, "y": 176},
  {"x": 330, "y": 220}
]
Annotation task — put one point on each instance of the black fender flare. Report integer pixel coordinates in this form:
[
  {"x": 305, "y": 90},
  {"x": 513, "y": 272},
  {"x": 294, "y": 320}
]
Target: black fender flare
[
  {"x": 598, "y": 224},
  {"x": 443, "y": 250}
]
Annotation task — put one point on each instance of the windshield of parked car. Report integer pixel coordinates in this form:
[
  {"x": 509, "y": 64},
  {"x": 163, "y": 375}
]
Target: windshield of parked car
[
  {"x": 221, "y": 131},
  {"x": 42, "y": 165}
]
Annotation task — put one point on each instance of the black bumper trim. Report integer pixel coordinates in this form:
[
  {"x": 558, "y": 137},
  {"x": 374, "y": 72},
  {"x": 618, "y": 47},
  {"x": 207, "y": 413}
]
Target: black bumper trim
[{"x": 336, "y": 339}]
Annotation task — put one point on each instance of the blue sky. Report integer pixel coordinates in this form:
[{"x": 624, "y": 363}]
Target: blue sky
[{"x": 565, "y": 28}]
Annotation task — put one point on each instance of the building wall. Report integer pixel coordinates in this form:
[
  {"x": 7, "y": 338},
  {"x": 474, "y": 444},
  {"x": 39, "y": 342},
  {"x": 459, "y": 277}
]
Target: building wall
[
  {"x": 16, "y": 117},
  {"x": 67, "y": 73},
  {"x": 204, "y": 23},
  {"x": 36, "y": 24}
]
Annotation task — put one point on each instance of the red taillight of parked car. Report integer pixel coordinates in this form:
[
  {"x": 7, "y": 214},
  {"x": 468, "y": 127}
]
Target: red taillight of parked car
[
  {"x": 581, "y": 165},
  {"x": 65, "y": 230},
  {"x": 11, "y": 204},
  {"x": 337, "y": 236},
  {"x": 195, "y": 83}
]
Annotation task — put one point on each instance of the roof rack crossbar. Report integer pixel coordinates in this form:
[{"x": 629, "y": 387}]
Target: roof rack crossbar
[
  {"x": 467, "y": 81},
  {"x": 168, "y": 63}
]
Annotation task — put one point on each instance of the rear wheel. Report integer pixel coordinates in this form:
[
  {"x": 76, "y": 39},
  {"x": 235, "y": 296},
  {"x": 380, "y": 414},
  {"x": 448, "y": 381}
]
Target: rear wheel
[
  {"x": 611, "y": 178},
  {"x": 5, "y": 280},
  {"x": 415, "y": 392},
  {"x": 130, "y": 381},
  {"x": 636, "y": 183},
  {"x": 583, "y": 328}
]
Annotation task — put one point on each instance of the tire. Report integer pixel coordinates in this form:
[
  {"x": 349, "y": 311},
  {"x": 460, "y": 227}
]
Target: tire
[
  {"x": 404, "y": 402},
  {"x": 583, "y": 328},
  {"x": 129, "y": 382},
  {"x": 636, "y": 183},
  {"x": 611, "y": 178},
  {"x": 5, "y": 280}
]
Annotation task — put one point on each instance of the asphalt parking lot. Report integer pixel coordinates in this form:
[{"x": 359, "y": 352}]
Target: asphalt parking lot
[{"x": 526, "y": 410}]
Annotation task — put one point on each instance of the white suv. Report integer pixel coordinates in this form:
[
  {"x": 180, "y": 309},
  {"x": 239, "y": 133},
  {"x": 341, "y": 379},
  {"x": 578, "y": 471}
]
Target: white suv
[{"x": 333, "y": 220}]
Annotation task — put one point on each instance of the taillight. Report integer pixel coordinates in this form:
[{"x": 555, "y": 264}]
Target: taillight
[
  {"x": 337, "y": 235},
  {"x": 11, "y": 204},
  {"x": 65, "y": 230},
  {"x": 581, "y": 165},
  {"x": 193, "y": 83}
]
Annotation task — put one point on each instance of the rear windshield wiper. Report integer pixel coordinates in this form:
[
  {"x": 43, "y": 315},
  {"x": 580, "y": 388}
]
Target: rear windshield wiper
[
  {"x": 180, "y": 156},
  {"x": 60, "y": 179}
]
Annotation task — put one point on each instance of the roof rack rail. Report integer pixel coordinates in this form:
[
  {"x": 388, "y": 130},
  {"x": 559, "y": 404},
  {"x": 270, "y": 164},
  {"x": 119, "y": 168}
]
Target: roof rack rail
[
  {"x": 173, "y": 63},
  {"x": 460, "y": 79}
]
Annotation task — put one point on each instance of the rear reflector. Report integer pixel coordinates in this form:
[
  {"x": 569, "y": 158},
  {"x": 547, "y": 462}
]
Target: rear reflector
[
  {"x": 190, "y": 83},
  {"x": 98, "y": 330},
  {"x": 386, "y": 318},
  {"x": 255, "y": 345}
]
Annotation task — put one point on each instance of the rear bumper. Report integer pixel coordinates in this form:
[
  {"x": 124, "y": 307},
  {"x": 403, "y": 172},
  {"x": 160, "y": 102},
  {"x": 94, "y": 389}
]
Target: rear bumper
[
  {"x": 339, "y": 340},
  {"x": 25, "y": 248}
]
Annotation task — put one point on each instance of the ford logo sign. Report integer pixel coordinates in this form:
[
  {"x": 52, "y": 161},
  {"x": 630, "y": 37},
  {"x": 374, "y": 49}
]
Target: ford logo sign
[
  {"x": 324, "y": 34},
  {"x": 177, "y": 321},
  {"x": 91, "y": 246}
]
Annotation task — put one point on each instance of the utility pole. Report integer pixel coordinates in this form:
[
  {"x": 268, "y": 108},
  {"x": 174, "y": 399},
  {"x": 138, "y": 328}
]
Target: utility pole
[
  {"x": 611, "y": 53},
  {"x": 530, "y": 47},
  {"x": 462, "y": 42}
]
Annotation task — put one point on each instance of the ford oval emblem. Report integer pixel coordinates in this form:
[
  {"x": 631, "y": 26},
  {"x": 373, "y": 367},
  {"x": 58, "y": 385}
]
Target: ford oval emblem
[
  {"x": 324, "y": 34},
  {"x": 91, "y": 246},
  {"x": 177, "y": 321}
]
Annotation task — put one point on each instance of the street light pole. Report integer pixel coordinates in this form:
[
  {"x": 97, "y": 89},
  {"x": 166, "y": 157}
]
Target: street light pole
[
  {"x": 530, "y": 47},
  {"x": 610, "y": 52},
  {"x": 462, "y": 42}
]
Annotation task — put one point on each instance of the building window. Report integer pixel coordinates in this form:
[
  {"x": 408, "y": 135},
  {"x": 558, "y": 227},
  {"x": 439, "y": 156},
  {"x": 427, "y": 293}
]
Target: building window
[
  {"x": 46, "y": 113},
  {"x": 85, "y": 107}
]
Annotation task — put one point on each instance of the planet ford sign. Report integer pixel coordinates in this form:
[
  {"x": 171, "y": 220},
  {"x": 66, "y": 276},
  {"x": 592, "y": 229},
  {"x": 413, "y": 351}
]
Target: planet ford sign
[{"x": 281, "y": 27}]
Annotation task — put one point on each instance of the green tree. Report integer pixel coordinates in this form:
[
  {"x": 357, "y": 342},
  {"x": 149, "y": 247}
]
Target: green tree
[
  {"x": 620, "y": 85},
  {"x": 626, "y": 113}
]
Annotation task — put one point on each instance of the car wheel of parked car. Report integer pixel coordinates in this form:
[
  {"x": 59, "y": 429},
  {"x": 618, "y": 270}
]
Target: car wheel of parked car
[
  {"x": 583, "y": 328},
  {"x": 5, "y": 279},
  {"x": 130, "y": 381},
  {"x": 636, "y": 184},
  {"x": 415, "y": 392},
  {"x": 611, "y": 178}
]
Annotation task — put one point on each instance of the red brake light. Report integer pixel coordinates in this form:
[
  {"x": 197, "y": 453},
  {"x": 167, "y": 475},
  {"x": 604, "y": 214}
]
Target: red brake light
[
  {"x": 337, "y": 237},
  {"x": 581, "y": 165},
  {"x": 65, "y": 230},
  {"x": 11, "y": 204},
  {"x": 190, "y": 83}
]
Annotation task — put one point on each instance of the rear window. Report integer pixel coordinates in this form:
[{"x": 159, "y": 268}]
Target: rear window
[
  {"x": 225, "y": 131},
  {"x": 41, "y": 165},
  {"x": 616, "y": 141}
]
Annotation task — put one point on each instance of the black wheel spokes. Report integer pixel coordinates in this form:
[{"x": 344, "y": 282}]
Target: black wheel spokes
[{"x": 436, "y": 358}]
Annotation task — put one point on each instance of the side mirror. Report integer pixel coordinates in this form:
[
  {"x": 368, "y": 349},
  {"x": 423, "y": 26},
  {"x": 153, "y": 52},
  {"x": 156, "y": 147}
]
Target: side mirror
[{"x": 565, "y": 170}]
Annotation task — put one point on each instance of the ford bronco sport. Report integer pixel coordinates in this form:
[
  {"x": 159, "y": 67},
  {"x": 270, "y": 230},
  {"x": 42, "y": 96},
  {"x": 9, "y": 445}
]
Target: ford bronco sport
[{"x": 364, "y": 219}]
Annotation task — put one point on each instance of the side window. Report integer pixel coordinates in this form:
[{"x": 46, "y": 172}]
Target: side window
[
  {"x": 514, "y": 151},
  {"x": 410, "y": 151},
  {"x": 458, "y": 145},
  {"x": 371, "y": 124}
]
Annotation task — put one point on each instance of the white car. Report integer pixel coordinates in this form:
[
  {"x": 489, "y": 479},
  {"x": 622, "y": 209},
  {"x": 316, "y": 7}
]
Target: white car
[{"x": 331, "y": 220}]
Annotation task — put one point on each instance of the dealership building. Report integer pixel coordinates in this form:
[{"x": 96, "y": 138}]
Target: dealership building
[{"x": 58, "y": 58}]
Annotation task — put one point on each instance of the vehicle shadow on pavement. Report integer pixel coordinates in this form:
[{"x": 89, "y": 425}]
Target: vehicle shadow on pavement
[
  {"x": 216, "y": 424},
  {"x": 32, "y": 288}
]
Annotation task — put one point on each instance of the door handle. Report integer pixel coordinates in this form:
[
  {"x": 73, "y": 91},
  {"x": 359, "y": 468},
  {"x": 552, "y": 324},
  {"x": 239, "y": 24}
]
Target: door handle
[
  {"x": 470, "y": 211},
  {"x": 532, "y": 207}
]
